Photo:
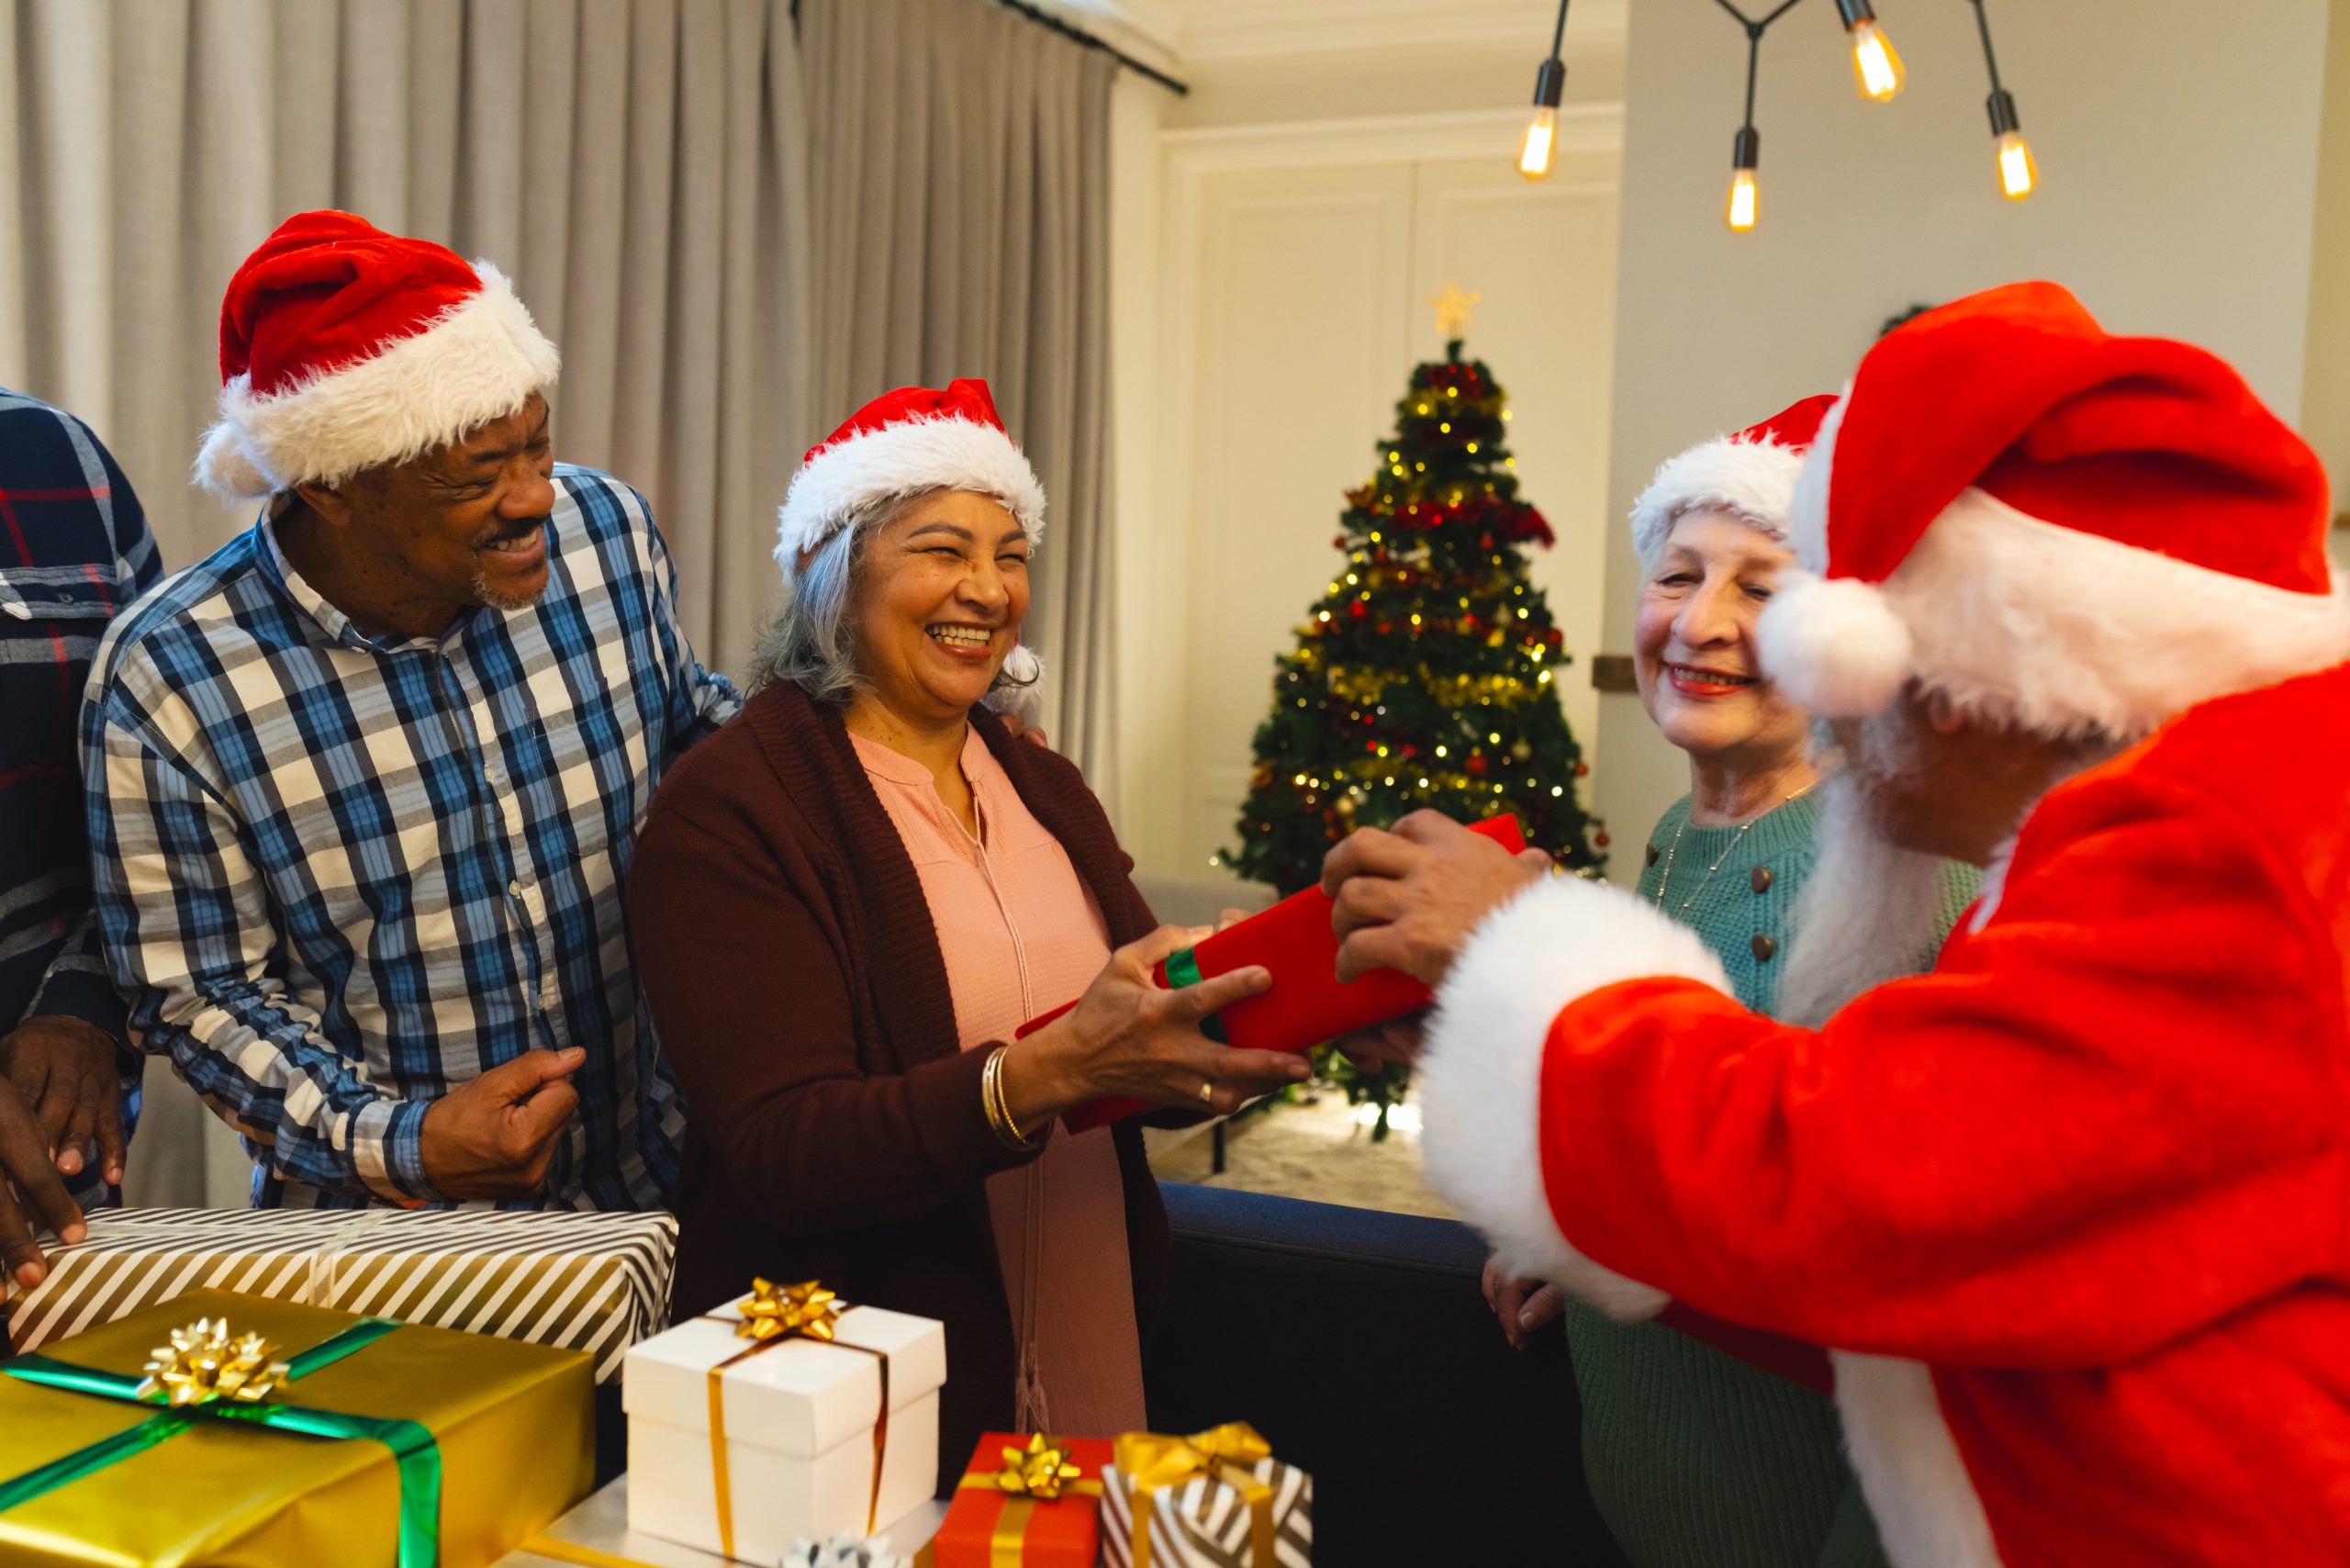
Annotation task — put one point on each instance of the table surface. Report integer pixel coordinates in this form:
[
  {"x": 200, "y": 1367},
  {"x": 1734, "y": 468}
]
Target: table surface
[{"x": 602, "y": 1522}]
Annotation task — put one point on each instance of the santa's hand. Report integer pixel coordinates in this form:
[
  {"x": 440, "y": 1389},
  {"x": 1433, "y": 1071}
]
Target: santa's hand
[
  {"x": 1523, "y": 1305},
  {"x": 1408, "y": 899}
]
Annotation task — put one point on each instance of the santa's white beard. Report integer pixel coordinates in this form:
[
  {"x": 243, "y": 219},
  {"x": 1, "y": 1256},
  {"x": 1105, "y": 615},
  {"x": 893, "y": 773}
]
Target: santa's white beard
[{"x": 1871, "y": 913}]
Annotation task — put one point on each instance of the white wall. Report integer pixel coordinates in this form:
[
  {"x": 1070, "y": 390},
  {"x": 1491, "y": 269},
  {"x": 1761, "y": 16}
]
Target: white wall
[
  {"x": 1307, "y": 207},
  {"x": 2177, "y": 145}
]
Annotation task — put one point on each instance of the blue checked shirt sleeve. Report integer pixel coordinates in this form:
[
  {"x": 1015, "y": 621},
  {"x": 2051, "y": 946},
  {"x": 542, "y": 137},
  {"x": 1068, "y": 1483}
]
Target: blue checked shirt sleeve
[
  {"x": 186, "y": 924},
  {"x": 700, "y": 699}
]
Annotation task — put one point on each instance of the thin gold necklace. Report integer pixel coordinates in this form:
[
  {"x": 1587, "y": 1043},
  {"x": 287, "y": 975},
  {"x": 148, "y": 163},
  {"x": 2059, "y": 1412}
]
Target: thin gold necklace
[{"x": 1664, "y": 883}]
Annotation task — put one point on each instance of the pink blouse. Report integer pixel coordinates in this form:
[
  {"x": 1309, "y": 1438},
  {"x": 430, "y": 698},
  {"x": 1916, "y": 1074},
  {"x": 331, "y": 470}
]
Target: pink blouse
[{"x": 1021, "y": 934}]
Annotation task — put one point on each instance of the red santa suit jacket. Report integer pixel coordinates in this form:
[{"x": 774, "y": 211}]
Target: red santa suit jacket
[{"x": 2073, "y": 1210}]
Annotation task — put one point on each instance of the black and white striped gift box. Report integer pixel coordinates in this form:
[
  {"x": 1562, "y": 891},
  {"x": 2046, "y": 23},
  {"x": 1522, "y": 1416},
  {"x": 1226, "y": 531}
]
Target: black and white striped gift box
[
  {"x": 591, "y": 1282},
  {"x": 1203, "y": 1523}
]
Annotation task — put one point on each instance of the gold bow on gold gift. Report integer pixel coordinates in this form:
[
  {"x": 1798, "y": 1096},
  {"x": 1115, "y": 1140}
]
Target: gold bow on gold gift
[
  {"x": 774, "y": 1312},
  {"x": 204, "y": 1363},
  {"x": 1229, "y": 1453}
]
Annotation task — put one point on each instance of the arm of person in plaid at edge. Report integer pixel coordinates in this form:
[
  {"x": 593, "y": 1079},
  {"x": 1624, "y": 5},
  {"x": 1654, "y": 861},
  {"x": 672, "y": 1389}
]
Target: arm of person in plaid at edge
[{"x": 74, "y": 550}]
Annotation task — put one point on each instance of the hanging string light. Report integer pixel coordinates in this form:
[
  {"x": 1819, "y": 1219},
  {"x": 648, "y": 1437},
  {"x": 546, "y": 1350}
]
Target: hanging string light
[
  {"x": 1746, "y": 149},
  {"x": 2018, "y": 171},
  {"x": 1877, "y": 70},
  {"x": 1538, "y": 149}
]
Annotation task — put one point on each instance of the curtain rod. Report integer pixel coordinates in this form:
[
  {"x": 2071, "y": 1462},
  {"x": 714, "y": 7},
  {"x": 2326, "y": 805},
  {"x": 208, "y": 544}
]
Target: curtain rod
[{"x": 1077, "y": 35}]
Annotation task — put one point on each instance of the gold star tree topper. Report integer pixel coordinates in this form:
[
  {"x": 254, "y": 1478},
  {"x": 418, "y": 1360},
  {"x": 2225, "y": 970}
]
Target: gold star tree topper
[{"x": 1452, "y": 310}]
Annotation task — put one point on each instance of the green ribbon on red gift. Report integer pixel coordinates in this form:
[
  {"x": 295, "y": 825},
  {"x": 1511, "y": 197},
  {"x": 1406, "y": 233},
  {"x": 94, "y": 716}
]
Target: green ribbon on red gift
[
  {"x": 411, "y": 1442},
  {"x": 1183, "y": 970}
]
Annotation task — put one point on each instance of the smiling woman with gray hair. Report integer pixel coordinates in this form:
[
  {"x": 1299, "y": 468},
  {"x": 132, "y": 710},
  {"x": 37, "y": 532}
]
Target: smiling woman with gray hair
[{"x": 847, "y": 901}]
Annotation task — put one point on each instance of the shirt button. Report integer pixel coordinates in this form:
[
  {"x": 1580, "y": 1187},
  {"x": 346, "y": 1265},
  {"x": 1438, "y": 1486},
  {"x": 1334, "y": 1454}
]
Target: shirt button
[
  {"x": 1652, "y": 854},
  {"x": 1763, "y": 947},
  {"x": 515, "y": 888},
  {"x": 1759, "y": 879}
]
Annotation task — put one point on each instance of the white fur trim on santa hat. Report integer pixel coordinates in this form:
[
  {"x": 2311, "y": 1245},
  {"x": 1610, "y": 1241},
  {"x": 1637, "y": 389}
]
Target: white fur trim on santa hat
[
  {"x": 1927, "y": 1510},
  {"x": 1754, "y": 480},
  {"x": 1479, "y": 1077},
  {"x": 478, "y": 360},
  {"x": 934, "y": 453},
  {"x": 2024, "y": 623}
]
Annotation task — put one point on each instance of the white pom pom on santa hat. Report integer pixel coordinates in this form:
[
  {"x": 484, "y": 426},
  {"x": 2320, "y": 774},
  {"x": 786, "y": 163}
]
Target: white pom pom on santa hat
[{"x": 1834, "y": 647}]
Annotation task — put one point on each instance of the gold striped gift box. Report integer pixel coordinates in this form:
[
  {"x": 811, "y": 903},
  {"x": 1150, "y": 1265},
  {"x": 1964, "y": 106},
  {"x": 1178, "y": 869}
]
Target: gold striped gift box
[
  {"x": 1204, "y": 1522},
  {"x": 591, "y": 1282}
]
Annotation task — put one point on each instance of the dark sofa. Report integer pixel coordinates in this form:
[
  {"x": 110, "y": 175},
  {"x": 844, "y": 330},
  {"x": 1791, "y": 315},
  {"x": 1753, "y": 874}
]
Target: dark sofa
[{"x": 1360, "y": 1345}]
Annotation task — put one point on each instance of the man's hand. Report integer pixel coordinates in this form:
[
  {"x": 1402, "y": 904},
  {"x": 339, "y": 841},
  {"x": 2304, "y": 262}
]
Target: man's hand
[
  {"x": 1019, "y": 729},
  {"x": 29, "y": 1191},
  {"x": 492, "y": 1138},
  {"x": 1523, "y": 1305},
  {"x": 1407, "y": 899},
  {"x": 66, "y": 1070}
]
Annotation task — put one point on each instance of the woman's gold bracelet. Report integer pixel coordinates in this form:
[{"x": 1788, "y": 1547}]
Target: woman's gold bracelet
[{"x": 999, "y": 1108}]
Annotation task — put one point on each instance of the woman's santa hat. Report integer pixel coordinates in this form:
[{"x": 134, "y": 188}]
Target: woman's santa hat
[
  {"x": 2053, "y": 527},
  {"x": 902, "y": 444},
  {"x": 1750, "y": 474},
  {"x": 344, "y": 347},
  {"x": 906, "y": 443}
]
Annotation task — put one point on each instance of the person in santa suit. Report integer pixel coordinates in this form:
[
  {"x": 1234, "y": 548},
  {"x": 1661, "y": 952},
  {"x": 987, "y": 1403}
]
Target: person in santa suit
[{"x": 2068, "y": 1210}]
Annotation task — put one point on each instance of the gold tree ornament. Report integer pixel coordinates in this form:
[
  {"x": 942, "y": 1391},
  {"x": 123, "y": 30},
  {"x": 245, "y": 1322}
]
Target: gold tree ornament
[
  {"x": 1453, "y": 308},
  {"x": 204, "y": 1363}
]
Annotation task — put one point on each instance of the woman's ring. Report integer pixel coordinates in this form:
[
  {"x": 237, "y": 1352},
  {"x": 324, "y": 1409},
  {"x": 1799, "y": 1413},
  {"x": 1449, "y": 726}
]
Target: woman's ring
[{"x": 1207, "y": 1093}]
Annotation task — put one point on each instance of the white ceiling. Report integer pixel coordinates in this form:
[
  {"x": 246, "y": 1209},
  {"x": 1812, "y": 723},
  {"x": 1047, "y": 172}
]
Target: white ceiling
[{"x": 1203, "y": 31}]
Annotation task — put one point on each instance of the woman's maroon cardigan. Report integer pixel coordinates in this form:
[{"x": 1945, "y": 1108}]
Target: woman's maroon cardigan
[{"x": 833, "y": 1126}]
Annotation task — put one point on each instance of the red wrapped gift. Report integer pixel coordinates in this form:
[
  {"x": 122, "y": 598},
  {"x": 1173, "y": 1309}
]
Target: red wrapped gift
[
  {"x": 1032, "y": 1501},
  {"x": 1308, "y": 1003}
]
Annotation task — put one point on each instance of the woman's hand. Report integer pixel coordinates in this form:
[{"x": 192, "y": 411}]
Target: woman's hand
[
  {"x": 1523, "y": 1305},
  {"x": 1127, "y": 1038}
]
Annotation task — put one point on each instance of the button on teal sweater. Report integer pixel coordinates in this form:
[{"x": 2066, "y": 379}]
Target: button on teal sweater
[{"x": 1695, "y": 1458}]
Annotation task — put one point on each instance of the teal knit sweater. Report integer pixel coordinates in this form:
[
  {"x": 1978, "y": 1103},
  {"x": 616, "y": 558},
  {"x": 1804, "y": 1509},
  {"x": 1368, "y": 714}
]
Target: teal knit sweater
[{"x": 1695, "y": 1458}]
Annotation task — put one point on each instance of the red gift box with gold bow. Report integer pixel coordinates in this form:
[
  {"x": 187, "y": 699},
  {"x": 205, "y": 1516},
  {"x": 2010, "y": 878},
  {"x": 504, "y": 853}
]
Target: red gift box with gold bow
[
  {"x": 1307, "y": 1006},
  {"x": 1032, "y": 1502}
]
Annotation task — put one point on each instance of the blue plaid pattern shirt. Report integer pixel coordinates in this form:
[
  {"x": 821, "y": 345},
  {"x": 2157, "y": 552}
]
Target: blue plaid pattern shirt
[
  {"x": 74, "y": 549},
  {"x": 340, "y": 875}
]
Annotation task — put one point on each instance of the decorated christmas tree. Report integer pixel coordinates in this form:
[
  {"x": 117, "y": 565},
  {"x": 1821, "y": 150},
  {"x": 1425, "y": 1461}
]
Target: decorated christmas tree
[{"x": 1427, "y": 674}]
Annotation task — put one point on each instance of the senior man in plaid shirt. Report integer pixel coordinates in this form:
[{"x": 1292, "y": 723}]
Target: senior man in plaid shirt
[
  {"x": 73, "y": 551},
  {"x": 363, "y": 786}
]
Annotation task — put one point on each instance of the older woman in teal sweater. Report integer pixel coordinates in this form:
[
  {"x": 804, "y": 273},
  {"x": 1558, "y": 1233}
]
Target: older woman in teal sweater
[{"x": 1696, "y": 1458}]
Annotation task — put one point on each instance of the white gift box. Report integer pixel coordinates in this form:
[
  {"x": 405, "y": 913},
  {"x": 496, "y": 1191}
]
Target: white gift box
[{"x": 800, "y": 1417}]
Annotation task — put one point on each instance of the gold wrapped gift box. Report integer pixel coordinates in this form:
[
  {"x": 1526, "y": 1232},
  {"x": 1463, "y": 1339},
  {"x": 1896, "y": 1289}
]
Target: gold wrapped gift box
[{"x": 513, "y": 1426}]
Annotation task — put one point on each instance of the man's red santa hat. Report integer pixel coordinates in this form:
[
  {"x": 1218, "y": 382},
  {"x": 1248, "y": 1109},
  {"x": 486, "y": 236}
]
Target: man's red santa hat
[
  {"x": 1750, "y": 474},
  {"x": 344, "y": 347},
  {"x": 2053, "y": 527},
  {"x": 902, "y": 444}
]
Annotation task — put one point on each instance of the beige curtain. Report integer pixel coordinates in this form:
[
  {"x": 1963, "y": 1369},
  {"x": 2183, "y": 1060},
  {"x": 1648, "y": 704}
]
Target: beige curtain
[
  {"x": 637, "y": 166},
  {"x": 961, "y": 187}
]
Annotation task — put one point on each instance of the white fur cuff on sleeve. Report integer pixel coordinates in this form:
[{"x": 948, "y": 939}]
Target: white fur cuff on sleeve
[{"x": 1479, "y": 1072}]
